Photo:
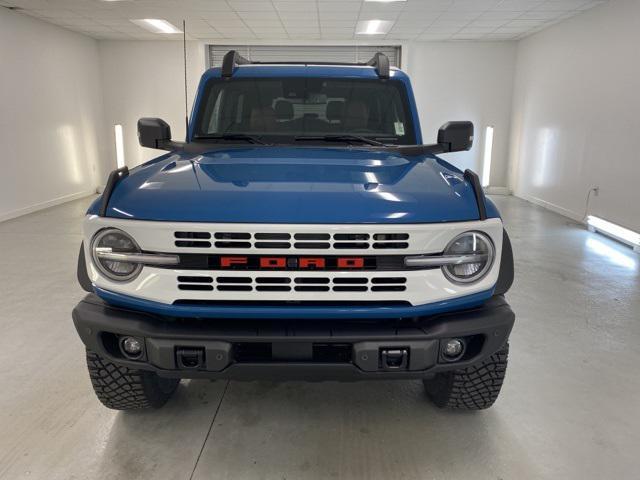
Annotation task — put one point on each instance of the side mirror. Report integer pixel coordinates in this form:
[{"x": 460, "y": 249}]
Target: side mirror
[
  {"x": 154, "y": 133},
  {"x": 455, "y": 136}
]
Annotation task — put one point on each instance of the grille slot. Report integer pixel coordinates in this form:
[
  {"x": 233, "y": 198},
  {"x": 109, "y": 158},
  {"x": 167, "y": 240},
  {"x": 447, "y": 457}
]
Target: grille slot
[
  {"x": 350, "y": 288},
  {"x": 233, "y": 279},
  {"x": 195, "y": 279},
  {"x": 350, "y": 280},
  {"x": 272, "y": 245},
  {"x": 312, "y": 288},
  {"x": 233, "y": 245},
  {"x": 350, "y": 236},
  {"x": 388, "y": 288},
  {"x": 391, "y": 236},
  {"x": 306, "y": 280},
  {"x": 389, "y": 280},
  {"x": 197, "y": 286},
  {"x": 272, "y": 236},
  {"x": 351, "y": 245},
  {"x": 273, "y": 280},
  {"x": 398, "y": 245},
  {"x": 192, "y": 244},
  {"x": 232, "y": 235},
  {"x": 273, "y": 288},
  {"x": 312, "y": 245},
  {"x": 311, "y": 236},
  {"x": 235, "y": 288},
  {"x": 199, "y": 235}
]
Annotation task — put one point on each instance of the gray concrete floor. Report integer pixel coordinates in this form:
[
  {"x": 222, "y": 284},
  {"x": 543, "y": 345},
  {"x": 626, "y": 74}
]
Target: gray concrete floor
[{"x": 569, "y": 407}]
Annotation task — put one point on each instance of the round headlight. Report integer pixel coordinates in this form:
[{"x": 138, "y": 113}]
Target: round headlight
[
  {"x": 477, "y": 246},
  {"x": 112, "y": 240}
]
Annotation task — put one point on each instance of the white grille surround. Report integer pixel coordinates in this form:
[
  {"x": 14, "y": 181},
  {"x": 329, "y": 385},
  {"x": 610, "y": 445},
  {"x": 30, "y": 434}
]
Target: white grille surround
[{"x": 419, "y": 287}]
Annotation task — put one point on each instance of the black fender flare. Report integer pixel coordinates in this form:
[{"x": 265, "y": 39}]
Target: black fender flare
[
  {"x": 505, "y": 277},
  {"x": 83, "y": 276}
]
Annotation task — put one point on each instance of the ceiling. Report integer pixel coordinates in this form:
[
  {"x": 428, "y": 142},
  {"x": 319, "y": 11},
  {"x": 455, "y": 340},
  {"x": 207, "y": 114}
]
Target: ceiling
[{"x": 264, "y": 20}]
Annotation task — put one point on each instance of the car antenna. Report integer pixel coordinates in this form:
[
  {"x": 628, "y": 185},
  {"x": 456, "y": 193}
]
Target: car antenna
[{"x": 186, "y": 101}]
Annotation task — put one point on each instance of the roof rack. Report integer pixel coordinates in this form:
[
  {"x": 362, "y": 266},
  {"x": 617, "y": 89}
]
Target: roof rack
[{"x": 232, "y": 58}]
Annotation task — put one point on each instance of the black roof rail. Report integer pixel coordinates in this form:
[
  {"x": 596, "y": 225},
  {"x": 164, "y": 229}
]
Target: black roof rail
[
  {"x": 381, "y": 63},
  {"x": 229, "y": 62},
  {"x": 232, "y": 58}
]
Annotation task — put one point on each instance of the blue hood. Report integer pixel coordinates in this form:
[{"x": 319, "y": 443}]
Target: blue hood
[{"x": 295, "y": 185}]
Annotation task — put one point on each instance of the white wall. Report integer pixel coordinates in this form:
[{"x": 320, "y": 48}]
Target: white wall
[
  {"x": 466, "y": 81},
  {"x": 146, "y": 79},
  {"x": 50, "y": 114},
  {"x": 577, "y": 114}
]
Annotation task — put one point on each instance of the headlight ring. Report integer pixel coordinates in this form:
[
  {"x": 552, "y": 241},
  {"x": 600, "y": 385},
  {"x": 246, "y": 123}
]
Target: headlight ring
[
  {"x": 116, "y": 241},
  {"x": 469, "y": 243}
]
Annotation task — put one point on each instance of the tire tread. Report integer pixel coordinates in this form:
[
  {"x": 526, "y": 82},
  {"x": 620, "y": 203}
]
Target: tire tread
[
  {"x": 473, "y": 388},
  {"x": 122, "y": 388}
]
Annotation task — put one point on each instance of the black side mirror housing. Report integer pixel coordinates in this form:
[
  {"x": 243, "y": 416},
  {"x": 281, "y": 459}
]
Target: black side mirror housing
[
  {"x": 456, "y": 136},
  {"x": 154, "y": 133}
]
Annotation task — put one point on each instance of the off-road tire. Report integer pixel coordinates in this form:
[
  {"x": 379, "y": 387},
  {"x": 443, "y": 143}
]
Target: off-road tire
[
  {"x": 123, "y": 388},
  {"x": 473, "y": 388}
]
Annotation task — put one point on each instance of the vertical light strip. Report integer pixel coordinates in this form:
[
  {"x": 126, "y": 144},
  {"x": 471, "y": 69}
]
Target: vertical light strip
[
  {"x": 488, "y": 150},
  {"x": 119, "y": 145}
]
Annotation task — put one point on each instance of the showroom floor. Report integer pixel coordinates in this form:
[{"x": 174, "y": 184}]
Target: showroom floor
[{"x": 569, "y": 407}]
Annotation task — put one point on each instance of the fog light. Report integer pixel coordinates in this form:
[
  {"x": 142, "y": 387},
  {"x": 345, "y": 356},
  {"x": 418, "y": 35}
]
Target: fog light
[
  {"x": 453, "y": 348},
  {"x": 132, "y": 346}
]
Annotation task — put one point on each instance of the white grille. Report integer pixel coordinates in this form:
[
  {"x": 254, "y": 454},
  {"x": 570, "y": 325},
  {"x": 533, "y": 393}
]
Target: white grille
[
  {"x": 294, "y": 283},
  {"x": 239, "y": 241}
]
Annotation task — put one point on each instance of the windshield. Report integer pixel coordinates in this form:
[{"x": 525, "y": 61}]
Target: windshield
[{"x": 286, "y": 110}]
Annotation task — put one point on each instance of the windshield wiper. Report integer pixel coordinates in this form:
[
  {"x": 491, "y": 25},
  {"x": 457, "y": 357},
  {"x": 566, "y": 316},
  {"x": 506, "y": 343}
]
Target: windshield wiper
[
  {"x": 338, "y": 138},
  {"x": 232, "y": 136}
]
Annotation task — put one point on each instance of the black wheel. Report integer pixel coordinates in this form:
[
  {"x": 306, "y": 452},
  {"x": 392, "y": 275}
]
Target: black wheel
[
  {"x": 123, "y": 388},
  {"x": 473, "y": 388}
]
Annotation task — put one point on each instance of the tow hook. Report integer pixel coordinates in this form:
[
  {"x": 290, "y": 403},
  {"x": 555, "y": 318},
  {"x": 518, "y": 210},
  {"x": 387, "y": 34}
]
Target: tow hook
[
  {"x": 190, "y": 358},
  {"x": 394, "y": 358}
]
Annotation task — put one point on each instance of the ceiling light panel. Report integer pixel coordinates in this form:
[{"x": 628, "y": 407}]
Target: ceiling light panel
[
  {"x": 157, "y": 25},
  {"x": 374, "y": 27}
]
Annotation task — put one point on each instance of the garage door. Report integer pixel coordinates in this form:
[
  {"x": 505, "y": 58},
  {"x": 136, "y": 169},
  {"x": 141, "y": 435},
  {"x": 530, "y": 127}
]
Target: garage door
[{"x": 338, "y": 54}]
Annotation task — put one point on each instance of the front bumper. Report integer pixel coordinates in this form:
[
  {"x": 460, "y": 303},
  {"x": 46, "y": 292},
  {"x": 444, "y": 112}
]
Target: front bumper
[{"x": 294, "y": 350}]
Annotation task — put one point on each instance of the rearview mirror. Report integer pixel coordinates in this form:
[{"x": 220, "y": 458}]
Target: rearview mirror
[
  {"x": 456, "y": 136},
  {"x": 154, "y": 133}
]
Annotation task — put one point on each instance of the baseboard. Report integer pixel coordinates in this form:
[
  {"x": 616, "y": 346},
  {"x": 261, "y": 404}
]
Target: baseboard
[
  {"x": 553, "y": 207},
  {"x": 497, "y": 190},
  {"x": 41, "y": 206}
]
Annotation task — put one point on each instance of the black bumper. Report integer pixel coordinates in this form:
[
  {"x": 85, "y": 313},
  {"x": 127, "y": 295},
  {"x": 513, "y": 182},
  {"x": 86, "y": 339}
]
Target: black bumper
[{"x": 293, "y": 350}]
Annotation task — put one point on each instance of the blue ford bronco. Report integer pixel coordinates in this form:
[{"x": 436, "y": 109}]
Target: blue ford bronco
[{"x": 301, "y": 232}]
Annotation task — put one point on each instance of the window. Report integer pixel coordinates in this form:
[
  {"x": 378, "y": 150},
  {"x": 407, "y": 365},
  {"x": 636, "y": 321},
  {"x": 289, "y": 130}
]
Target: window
[{"x": 282, "y": 109}]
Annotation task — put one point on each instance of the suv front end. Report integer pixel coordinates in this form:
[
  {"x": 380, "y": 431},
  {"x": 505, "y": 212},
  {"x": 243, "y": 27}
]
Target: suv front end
[{"x": 270, "y": 259}]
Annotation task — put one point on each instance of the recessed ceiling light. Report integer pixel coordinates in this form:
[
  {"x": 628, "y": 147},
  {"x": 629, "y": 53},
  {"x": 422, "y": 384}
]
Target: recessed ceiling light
[
  {"x": 373, "y": 27},
  {"x": 156, "y": 25}
]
